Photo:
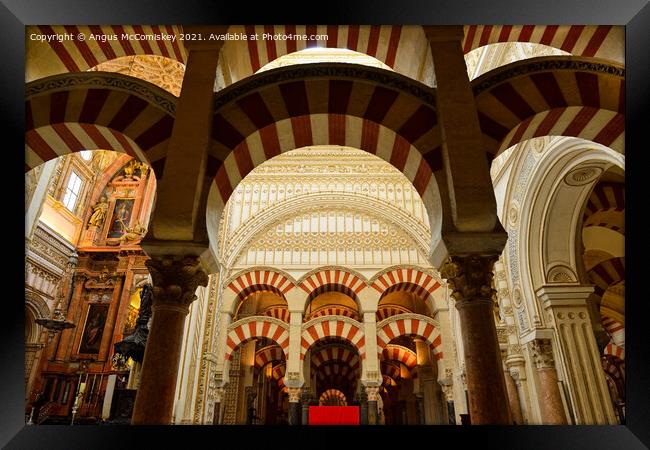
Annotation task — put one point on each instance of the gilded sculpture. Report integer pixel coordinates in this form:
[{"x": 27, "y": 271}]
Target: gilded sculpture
[{"x": 99, "y": 213}]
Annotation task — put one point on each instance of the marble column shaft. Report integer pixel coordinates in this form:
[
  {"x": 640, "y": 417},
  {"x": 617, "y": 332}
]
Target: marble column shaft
[{"x": 175, "y": 280}]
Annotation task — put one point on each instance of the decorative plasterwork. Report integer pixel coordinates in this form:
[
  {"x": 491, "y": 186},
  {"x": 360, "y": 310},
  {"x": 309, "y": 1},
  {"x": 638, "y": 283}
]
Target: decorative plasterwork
[
  {"x": 582, "y": 176},
  {"x": 401, "y": 229},
  {"x": 163, "y": 72},
  {"x": 486, "y": 58}
]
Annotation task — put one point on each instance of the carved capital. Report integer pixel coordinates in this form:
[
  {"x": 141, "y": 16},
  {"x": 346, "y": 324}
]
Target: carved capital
[
  {"x": 372, "y": 392},
  {"x": 542, "y": 351},
  {"x": 175, "y": 281},
  {"x": 470, "y": 277},
  {"x": 294, "y": 394}
]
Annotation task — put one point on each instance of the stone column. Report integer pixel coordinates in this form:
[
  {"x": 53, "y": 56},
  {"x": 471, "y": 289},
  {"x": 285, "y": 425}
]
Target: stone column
[
  {"x": 551, "y": 400},
  {"x": 363, "y": 407},
  {"x": 448, "y": 395},
  {"x": 468, "y": 175},
  {"x": 419, "y": 401},
  {"x": 372, "y": 392},
  {"x": 306, "y": 399},
  {"x": 513, "y": 394},
  {"x": 175, "y": 281},
  {"x": 567, "y": 312},
  {"x": 294, "y": 406},
  {"x": 218, "y": 397},
  {"x": 470, "y": 278},
  {"x": 181, "y": 186}
]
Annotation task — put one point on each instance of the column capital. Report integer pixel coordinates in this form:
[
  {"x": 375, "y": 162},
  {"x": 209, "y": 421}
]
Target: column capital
[
  {"x": 542, "y": 351},
  {"x": 470, "y": 277},
  {"x": 175, "y": 279},
  {"x": 372, "y": 392},
  {"x": 294, "y": 394}
]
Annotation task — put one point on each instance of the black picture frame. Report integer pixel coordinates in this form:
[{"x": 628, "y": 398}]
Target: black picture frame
[{"x": 634, "y": 14}]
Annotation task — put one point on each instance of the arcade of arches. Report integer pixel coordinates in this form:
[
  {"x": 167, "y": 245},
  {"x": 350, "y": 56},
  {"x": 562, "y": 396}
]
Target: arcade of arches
[{"x": 424, "y": 222}]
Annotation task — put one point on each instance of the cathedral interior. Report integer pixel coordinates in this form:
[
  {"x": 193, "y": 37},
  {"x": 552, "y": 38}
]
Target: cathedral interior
[{"x": 423, "y": 222}]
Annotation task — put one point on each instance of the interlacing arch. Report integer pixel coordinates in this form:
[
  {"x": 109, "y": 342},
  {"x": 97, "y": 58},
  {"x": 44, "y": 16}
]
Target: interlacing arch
[
  {"x": 257, "y": 279},
  {"x": 551, "y": 96},
  {"x": 250, "y": 328},
  {"x": 333, "y": 326},
  {"x": 401, "y": 354},
  {"x": 410, "y": 325}
]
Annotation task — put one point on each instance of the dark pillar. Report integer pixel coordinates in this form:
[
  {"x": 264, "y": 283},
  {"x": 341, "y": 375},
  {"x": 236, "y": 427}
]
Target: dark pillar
[
  {"x": 175, "y": 280},
  {"x": 295, "y": 410},
  {"x": 470, "y": 277}
]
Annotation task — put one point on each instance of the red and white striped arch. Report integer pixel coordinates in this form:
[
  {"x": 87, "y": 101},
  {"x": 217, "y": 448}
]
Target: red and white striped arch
[
  {"x": 335, "y": 353},
  {"x": 348, "y": 330},
  {"x": 261, "y": 327},
  {"x": 333, "y": 311},
  {"x": 606, "y": 207},
  {"x": 391, "y": 370},
  {"x": 332, "y": 397},
  {"x": 337, "y": 372},
  {"x": 582, "y": 40},
  {"x": 615, "y": 329},
  {"x": 555, "y": 95},
  {"x": 386, "y": 311},
  {"x": 52, "y": 141},
  {"x": 614, "y": 350},
  {"x": 332, "y": 279},
  {"x": 257, "y": 280},
  {"x": 325, "y": 129},
  {"x": 607, "y": 273},
  {"x": 268, "y": 354},
  {"x": 279, "y": 312},
  {"x": 401, "y": 354},
  {"x": 278, "y": 373},
  {"x": 403, "y": 48},
  {"x": 410, "y": 279},
  {"x": 94, "y": 111},
  {"x": 400, "y": 325},
  {"x": 75, "y": 55}
]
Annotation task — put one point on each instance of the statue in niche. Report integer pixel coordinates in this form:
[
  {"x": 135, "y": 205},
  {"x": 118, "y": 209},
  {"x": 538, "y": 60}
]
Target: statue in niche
[
  {"x": 133, "y": 345},
  {"x": 134, "y": 233},
  {"x": 99, "y": 213}
]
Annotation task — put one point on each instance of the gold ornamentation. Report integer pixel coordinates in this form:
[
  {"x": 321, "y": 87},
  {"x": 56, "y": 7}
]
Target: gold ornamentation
[
  {"x": 470, "y": 277},
  {"x": 175, "y": 281}
]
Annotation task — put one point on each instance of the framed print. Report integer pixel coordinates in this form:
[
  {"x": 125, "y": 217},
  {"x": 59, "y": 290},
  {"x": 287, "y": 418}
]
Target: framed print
[{"x": 413, "y": 222}]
